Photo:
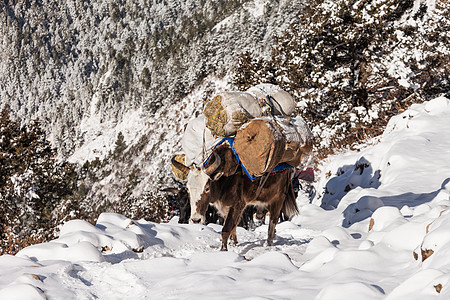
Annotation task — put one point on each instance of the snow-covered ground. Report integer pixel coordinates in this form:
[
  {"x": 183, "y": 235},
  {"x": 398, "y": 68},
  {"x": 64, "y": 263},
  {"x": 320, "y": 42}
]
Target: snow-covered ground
[{"x": 377, "y": 228}]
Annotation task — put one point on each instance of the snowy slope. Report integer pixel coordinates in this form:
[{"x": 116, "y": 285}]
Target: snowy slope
[{"x": 376, "y": 229}]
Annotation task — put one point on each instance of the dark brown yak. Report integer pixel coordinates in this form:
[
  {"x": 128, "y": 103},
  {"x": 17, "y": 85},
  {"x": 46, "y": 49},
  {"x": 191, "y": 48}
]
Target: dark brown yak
[{"x": 230, "y": 191}]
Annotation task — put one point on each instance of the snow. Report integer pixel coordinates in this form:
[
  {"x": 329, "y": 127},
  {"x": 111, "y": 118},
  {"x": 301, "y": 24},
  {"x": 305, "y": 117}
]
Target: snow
[
  {"x": 99, "y": 136},
  {"x": 256, "y": 9},
  {"x": 377, "y": 228}
]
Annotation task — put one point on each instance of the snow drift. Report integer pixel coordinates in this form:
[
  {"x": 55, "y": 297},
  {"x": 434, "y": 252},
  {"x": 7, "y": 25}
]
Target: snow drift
[{"x": 376, "y": 228}]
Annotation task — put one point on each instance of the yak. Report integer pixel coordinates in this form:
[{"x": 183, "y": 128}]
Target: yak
[{"x": 223, "y": 184}]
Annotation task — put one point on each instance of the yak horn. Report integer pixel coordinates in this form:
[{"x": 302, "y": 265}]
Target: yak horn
[
  {"x": 180, "y": 166},
  {"x": 217, "y": 161}
]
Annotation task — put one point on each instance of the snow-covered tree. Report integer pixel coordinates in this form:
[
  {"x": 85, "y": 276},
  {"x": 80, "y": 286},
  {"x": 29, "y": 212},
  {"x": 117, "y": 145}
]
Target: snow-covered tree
[
  {"x": 352, "y": 64},
  {"x": 32, "y": 183}
]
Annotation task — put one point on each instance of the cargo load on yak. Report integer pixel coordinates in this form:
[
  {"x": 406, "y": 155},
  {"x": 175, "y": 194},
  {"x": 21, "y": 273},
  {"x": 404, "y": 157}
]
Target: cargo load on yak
[
  {"x": 226, "y": 112},
  {"x": 264, "y": 143},
  {"x": 197, "y": 141},
  {"x": 273, "y": 100},
  {"x": 258, "y": 126}
]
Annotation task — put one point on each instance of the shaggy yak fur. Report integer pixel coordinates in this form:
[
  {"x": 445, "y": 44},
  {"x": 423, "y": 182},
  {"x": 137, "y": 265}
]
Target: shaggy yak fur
[{"x": 231, "y": 191}]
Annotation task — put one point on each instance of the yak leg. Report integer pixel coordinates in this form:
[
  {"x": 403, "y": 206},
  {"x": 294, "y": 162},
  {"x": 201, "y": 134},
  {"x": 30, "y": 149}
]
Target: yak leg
[
  {"x": 229, "y": 228},
  {"x": 234, "y": 236},
  {"x": 274, "y": 209}
]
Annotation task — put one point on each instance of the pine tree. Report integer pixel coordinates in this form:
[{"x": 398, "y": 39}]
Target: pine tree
[
  {"x": 120, "y": 145},
  {"x": 337, "y": 62},
  {"x": 32, "y": 183}
]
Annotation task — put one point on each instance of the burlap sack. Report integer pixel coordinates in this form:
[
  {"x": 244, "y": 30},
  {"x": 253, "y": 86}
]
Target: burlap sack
[
  {"x": 260, "y": 145},
  {"x": 299, "y": 140},
  {"x": 273, "y": 99},
  {"x": 228, "y": 111},
  {"x": 176, "y": 172}
]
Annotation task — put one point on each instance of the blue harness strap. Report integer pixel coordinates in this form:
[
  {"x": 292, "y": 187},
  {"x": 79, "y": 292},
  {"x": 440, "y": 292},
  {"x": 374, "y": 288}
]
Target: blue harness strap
[{"x": 230, "y": 140}]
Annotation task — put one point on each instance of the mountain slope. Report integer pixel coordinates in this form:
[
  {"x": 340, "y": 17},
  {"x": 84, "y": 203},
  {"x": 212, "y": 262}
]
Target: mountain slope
[
  {"x": 382, "y": 234},
  {"x": 96, "y": 71},
  {"x": 63, "y": 62},
  {"x": 115, "y": 84}
]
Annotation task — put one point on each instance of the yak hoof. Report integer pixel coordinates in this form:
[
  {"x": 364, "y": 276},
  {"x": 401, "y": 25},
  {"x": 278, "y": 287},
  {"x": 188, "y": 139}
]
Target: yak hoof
[{"x": 223, "y": 248}]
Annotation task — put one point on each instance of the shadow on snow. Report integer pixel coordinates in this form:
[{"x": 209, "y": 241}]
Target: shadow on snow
[
  {"x": 349, "y": 177},
  {"x": 366, "y": 205},
  {"x": 361, "y": 174}
]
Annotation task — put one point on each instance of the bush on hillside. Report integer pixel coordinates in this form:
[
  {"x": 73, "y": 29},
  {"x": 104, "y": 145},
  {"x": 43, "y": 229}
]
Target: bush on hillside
[
  {"x": 353, "y": 64},
  {"x": 32, "y": 185}
]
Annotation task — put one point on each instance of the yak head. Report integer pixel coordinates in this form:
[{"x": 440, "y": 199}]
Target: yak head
[{"x": 222, "y": 162}]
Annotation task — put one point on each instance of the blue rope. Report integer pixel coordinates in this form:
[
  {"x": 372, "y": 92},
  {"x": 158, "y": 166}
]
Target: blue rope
[{"x": 230, "y": 140}]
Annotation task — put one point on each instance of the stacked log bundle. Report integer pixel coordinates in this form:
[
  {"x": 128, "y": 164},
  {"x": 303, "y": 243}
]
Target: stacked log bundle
[{"x": 260, "y": 146}]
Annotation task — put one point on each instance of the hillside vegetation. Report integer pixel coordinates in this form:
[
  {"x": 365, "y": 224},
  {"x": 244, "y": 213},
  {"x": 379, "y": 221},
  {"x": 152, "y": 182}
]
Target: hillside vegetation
[
  {"x": 56, "y": 57},
  {"x": 114, "y": 84},
  {"x": 353, "y": 64}
]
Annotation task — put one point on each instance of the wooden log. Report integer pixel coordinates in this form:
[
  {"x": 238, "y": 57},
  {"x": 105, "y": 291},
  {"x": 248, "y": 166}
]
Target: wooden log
[
  {"x": 260, "y": 145},
  {"x": 264, "y": 143}
]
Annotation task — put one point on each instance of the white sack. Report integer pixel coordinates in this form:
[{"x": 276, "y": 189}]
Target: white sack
[
  {"x": 302, "y": 128},
  {"x": 284, "y": 103},
  {"x": 192, "y": 141},
  {"x": 305, "y": 135}
]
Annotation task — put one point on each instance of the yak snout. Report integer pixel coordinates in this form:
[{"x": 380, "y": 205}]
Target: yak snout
[{"x": 196, "y": 221}]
